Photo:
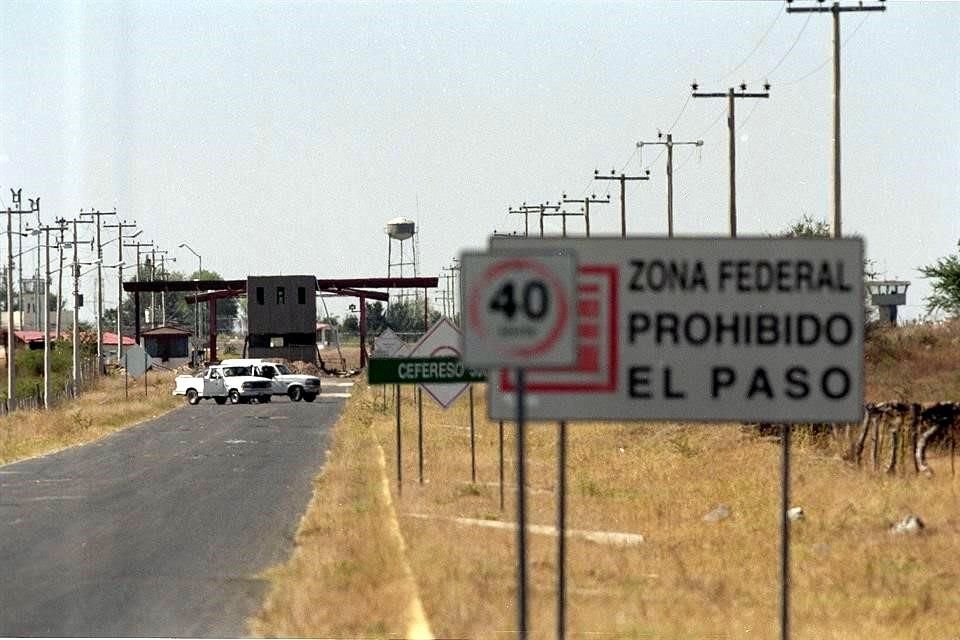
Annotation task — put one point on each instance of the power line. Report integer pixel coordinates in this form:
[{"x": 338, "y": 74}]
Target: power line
[
  {"x": 827, "y": 60},
  {"x": 756, "y": 46},
  {"x": 794, "y": 44}
]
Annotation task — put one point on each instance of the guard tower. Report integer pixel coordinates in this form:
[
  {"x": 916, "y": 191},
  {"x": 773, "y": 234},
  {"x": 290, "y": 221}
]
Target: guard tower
[
  {"x": 282, "y": 317},
  {"x": 887, "y": 295}
]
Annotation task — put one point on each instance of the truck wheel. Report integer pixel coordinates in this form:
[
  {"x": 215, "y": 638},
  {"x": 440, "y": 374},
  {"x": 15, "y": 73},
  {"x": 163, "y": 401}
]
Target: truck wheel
[
  {"x": 233, "y": 396},
  {"x": 295, "y": 393},
  {"x": 309, "y": 397},
  {"x": 192, "y": 396},
  {"x": 220, "y": 400}
]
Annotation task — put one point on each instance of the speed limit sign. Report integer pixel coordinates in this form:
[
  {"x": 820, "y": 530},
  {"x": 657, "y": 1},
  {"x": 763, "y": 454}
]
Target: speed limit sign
[{"x": 519, "y": 310}]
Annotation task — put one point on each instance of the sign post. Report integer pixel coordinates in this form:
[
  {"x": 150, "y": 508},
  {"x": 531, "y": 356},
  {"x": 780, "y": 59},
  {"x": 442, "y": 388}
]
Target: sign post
[
  {"x": 706, "y": 329},
  {"x": 518, "y": 312}
]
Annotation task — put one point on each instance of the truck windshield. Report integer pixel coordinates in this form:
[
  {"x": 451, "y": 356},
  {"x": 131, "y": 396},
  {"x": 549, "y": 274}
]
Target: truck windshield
[
  {"x": 236, "y": 371},
  {"x": 282, "y": 368}
]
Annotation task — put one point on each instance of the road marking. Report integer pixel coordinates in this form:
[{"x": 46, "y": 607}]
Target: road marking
[
  {"x": 600, "y": 537},
  {"x": 46, "y": 498},
  {"x": 417, "y": 625},
  {"x": 236, "y": 442},
  {"x": 337, "y": 384},
  {"x": 335, "y": 395}
]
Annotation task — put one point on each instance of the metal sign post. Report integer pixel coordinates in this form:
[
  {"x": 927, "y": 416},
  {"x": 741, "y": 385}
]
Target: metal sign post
[
  {"x": 420, "y": 433},
  {"x": 399, "y": 449},
  {"x": 473, "y": 441},
  {"x": 518, "y": 312}
]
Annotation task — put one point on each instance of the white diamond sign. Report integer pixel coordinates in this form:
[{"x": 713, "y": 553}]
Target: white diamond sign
[
  {"x": 387, "y": 344},
  {"x": 443, "y": 339}
]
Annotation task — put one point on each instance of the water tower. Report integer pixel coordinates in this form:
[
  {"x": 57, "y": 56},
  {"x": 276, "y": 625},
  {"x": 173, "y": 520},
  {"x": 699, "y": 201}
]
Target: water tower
[{"x": 402, "y": 263}]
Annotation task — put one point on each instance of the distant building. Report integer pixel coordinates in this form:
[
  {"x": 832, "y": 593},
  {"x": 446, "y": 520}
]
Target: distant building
[
  {"x": 168, "y": 345},
  {"x": 109, "y": 348},
  {"x": 326, "y": 335},
  {"x": 282, "y": 317}
]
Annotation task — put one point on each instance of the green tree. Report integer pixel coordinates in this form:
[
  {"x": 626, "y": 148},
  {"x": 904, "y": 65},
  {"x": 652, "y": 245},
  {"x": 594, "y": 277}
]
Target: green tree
[
  {"x": 806, "y": 227},
  {"x": 945, "y": 284}
]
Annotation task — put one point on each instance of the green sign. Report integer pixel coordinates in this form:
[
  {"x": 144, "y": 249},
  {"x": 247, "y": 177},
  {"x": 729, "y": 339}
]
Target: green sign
[{"x": 420, "y": 371}]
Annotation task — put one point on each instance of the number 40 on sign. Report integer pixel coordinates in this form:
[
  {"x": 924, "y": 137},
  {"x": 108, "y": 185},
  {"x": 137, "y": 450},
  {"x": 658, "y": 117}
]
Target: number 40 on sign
[{"x": 519, "y": 310}]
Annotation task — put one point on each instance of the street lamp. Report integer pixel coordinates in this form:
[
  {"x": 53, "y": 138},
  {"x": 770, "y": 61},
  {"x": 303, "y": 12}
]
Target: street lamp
[
  {"x": 196, "y": 303},
  {"x": 184, "y": 245}
]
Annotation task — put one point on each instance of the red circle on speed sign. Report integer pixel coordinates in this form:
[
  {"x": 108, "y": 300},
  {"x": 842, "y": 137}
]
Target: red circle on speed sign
[{"x": 552, "y": 291}]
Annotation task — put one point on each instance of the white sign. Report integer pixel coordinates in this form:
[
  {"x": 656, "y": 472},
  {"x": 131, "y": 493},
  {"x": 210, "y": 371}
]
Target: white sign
[
  {"x": 519, "y": 310},
  {"x": 387, "y": 344},
  {"x": 711, "y": 329},
  {"x": 441, "y": 340}
]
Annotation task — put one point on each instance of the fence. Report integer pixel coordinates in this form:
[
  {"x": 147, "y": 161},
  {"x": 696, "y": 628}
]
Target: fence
[{"x": 88, "y": 375}]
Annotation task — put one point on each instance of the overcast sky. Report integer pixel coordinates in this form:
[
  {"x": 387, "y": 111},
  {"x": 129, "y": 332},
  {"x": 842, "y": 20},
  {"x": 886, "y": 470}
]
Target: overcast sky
[{"x": 281, "y": 137}]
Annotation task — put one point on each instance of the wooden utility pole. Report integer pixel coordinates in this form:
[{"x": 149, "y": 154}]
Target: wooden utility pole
[
  {"x": 835, "y": 9},
  {"x": 120, "y": 226},
  {"x": 732, "y": 95},
  {"x": 622, "y": 178},
  {"x": 45, "y": 322},
  {"x": 63, "y": 227},
  {"x": 669, "y": 144},
  {"x": 95, "y": 216},
  {"x": 540, "y": 208},
  {"x": 564, "y": 214},
  {"x": 136, "y": 277},
  {"x": 11, "y": 338},
  {"x": 586, "y": 202},
  {"x": 76, "y": 304},
  {"x": 526, "y": 218}
]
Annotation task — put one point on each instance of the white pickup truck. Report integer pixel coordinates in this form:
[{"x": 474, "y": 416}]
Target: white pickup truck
[
  {"x": 235, "y": 384},
  {"x": 285, "y": 383}
]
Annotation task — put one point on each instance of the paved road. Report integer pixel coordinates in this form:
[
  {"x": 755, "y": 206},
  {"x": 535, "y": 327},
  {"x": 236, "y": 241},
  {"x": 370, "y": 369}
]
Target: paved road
[{"x": 159, "y": 530}]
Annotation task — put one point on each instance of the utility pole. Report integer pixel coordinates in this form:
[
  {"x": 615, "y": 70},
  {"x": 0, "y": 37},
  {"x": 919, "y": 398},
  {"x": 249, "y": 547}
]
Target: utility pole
[
  {"x": 120, "y": 226},
  {"x": 669, "y": 144},
  {"x": 540, "y": 208},
  {"x": 46, "y": 310},
  {"x": 96, "y": 215},
  {"x": 835, "y": 9},
  {"x": 163, "y": 294},
  {"x": 731, "y": 95},
  {"x": 526, "y": 218},
  {"x": 62, "y": 222},
  {"x": 563, "y": 215},
  {"x": 136, "y": 277},
  {"x": 76, "y": 304},
  {"x": 586, "y": 202},
  {"x": 452, "y": 276},
  {"x": 16, "y": 195},
  {"x": 11, "y": 339},
  {"x": 622, "y": 178}
]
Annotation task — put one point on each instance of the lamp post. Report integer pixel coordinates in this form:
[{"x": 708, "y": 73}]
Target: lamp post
[{"x": 196, "y": 303}]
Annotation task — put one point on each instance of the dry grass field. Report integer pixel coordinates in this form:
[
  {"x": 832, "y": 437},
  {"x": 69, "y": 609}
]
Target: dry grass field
[
  {"x": 689, "y": 578},
  {"x": 99, "y": 412}
]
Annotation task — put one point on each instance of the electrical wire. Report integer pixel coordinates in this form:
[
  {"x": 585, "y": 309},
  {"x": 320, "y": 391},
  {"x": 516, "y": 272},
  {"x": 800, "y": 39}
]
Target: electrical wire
[
  {"x": 682, "y": 109},
  {"x": 827, "y": 60},
  {"x": 766, "y": 33},
  {"x": 711, "y": 125},
  {"x": 740, "y": 126},
  {"x": 790, "y": 49}
]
